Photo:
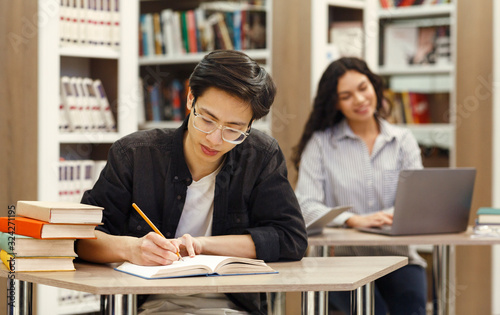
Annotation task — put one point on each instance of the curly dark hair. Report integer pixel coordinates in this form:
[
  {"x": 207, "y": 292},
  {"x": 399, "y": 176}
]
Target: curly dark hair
[
  {"x": 325, "y": 112},
  {"x": 237, "y": 74}
]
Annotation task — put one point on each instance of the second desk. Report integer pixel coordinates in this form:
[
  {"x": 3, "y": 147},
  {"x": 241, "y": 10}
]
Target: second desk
[{"x": 443, "y": 254}]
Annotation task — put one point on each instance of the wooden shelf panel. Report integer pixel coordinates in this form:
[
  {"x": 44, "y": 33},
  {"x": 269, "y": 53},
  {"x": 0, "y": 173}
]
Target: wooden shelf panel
[
  {"x": 417, "y": 11},
  {"x": 256, "y": 54}
]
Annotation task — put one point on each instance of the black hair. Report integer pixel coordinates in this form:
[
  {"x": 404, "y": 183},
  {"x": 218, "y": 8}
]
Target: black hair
[
  {"x": 325, "y": 112},
  {"x": 237, "y": 74}
]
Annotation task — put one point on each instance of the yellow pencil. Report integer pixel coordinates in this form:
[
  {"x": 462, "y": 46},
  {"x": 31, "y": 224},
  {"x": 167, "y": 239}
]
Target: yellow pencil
[{"x": 136, "y": 207}]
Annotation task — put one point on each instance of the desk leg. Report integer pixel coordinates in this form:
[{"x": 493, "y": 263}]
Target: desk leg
[
  {"x": 276, "y": 303},
  {"x": 315, "y": 303},
  {"x": 363, "y": 300},
  {"x": 19, "y": 297},
  {"x": 444, "y": 278},
  {"x": 121, "y": 304}
]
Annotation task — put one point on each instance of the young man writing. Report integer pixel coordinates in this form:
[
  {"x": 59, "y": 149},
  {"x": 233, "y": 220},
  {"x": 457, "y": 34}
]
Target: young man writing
[{"x": 213, "y": 186}]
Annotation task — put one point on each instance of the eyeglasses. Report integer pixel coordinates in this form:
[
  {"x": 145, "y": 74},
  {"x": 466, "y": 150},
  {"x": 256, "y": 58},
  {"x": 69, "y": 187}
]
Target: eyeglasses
[{"x": 207, "y": 125}]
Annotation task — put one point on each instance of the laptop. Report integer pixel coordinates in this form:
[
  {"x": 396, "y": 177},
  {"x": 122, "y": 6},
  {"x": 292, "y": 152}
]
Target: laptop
[
  {"x": 316, "y": 225},
  {"x": 431, "y": 201}
]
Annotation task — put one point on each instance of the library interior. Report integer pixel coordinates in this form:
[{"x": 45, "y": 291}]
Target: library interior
[{"x": 76, "y": 76}]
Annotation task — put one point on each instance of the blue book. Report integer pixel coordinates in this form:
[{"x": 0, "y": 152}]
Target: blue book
[
  {"x": 142, "y": 26},
  {"x": 237, "y": 29}
]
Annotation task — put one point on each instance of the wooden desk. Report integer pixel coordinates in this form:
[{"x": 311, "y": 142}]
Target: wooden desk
[
  {"x": 443, "y": 255},
  {"x": 311, "y": 274}
]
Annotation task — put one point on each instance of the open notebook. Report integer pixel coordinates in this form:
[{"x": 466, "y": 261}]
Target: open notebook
[{"x": 199, "y": 265}]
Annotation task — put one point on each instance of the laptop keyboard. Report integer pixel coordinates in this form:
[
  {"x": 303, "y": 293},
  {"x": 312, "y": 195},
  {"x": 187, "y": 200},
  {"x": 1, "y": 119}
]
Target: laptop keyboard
[{"x": 385, "y": 227}]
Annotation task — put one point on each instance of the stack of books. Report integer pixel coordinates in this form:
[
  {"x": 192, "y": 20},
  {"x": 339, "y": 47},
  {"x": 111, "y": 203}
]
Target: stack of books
[
  {"x": 40, "y": 236},
  {"x": 488, "y": 216}
]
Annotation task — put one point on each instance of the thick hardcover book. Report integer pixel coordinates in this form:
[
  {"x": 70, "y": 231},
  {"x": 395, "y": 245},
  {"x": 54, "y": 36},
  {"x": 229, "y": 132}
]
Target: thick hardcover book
[
  {"x": 40, "y": 229},
  {"x": 200, "y": 265},
  {"x": 60, "y": 212},
  {"x": 25, "y": 246},
  {"x": 15, "y": 264}
]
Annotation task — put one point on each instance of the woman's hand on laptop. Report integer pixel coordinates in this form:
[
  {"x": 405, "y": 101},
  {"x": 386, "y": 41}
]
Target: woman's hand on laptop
[{"x": 375, "y": 219}]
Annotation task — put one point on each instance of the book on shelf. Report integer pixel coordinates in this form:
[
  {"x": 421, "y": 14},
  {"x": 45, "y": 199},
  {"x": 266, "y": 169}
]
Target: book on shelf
[
  {"x": 386, "y": 4},
  {"x": 43, "y": 230},
  {"x": 419, "y": 104},
  {"x": 347, "y": 38},
  {"x": 96, "y": 116},
  {"x": 199, "y": 265},
  {"x": 237, "y": 31},
  {"x": 408, "y": 114},
  {"x": 167, "y": 17},
  {"x": 42, "y": 263},
  {"x": 83, "y": 115},
  {"x": 184, "y": 31},
  {"x": 393, "y": 107},
  {"x": 60, "y": 211},
  {"x": 416, "y": 43},
  {"x": 400, "y": 43},
  {"x": 148, "y": 34},
  {"x": 192, "y": 32},
  {"x": 25, "y": 246},
  {"x": 143, "y": 43},
  {"x": 158, "y": 37},
  {"x": 102, "y": 99},
  {"x": 487, "y": 215},
  {"x": 70, "y": 107}
]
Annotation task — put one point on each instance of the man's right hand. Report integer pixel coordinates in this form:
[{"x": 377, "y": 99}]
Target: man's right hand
[{"x": 152, "y": 249}]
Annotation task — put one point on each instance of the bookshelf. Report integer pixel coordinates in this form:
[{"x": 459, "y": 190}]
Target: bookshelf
[
  {"x": 416, "y": 56},
  {"x": 164, "y": 67},
  {"x": 112, "y": 67}
]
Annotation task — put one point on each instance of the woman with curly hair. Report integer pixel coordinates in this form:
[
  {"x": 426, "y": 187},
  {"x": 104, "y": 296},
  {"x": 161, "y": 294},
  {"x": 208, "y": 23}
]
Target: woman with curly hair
[{"x": 350, "y": 155}]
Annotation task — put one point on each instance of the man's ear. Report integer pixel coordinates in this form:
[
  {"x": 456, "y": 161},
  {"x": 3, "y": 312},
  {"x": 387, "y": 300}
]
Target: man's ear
[{"x": 190, "y": 99}]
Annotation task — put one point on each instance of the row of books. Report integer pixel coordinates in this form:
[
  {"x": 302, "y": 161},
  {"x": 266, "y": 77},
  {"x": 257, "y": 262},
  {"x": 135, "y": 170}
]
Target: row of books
[
  {"x": 77, "y": 176},
  {"x": 84, "y": 106},
  {"x": 406, "y": 3},
  {"x": 208, "y": 27},
  {"x": 407, "y": 107},
  {"x": 90, "y": 23},
  {"x": 40, "y": 236},
  {"x": 165, "y": 100},
  {"x": 407, "y": 44}
]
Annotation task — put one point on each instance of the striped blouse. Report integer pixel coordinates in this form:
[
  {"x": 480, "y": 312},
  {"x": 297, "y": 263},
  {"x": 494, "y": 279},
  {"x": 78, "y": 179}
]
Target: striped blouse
[{"x": 336, "y": 169}]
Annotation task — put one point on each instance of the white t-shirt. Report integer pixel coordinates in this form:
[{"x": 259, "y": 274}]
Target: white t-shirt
[{"x": 197, "y": 215}]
